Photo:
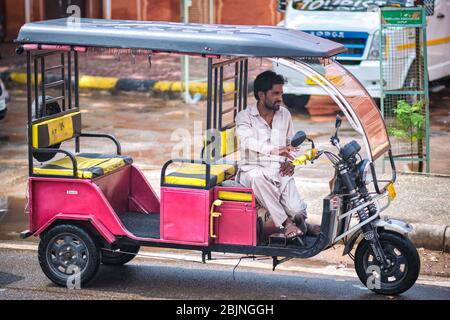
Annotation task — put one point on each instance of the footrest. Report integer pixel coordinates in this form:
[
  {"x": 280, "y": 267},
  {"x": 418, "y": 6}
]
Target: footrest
[{"x": 277, "y": 240}]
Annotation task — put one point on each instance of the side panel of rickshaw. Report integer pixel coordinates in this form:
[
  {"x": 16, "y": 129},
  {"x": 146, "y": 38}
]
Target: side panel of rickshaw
[
  {"x": 100, "y": 201},
  {"x": 238, "y": 220},
  {"x": 186, "y": 217}
]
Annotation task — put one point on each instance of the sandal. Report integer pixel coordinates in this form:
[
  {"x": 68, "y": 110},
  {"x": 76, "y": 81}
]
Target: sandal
[
  {"x": 312, "y": 230},
  {"x": 291, "y": 231},
  {"x": 299, "y": 220}
]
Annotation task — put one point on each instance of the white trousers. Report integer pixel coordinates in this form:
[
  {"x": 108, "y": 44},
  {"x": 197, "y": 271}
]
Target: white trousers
[{"x": 279, "y": 195}]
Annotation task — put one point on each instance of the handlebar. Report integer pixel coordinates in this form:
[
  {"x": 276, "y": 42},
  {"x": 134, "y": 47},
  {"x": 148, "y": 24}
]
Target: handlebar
[{"x": 308, "y": 155}]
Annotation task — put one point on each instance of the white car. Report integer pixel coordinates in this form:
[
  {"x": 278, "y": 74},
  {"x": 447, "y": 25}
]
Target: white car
[{"x": 4, "y": 100}]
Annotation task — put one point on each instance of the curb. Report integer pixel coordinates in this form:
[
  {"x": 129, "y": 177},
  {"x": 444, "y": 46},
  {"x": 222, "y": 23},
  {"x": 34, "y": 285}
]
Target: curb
[
  {"x": 169, "y": 89},
  {"x": 423, "y": 174},
  {"x": 428, "y": 236},
  {"x": 433, "y": 237}
]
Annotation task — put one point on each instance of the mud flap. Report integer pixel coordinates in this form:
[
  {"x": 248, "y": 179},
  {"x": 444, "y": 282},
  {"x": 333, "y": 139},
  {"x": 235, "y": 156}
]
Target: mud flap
[{"x": 351, "y": 242}]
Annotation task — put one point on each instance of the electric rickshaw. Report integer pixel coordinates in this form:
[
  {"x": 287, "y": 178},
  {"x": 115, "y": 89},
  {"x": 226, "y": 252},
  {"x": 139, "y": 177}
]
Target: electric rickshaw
[{"x": 92, "y": 208}]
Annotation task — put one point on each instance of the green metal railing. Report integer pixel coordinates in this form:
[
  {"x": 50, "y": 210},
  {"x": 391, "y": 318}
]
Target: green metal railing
[{"x": 404, "y": 84}]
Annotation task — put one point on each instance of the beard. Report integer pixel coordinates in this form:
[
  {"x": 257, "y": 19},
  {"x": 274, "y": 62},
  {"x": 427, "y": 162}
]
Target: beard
[{"x": 274, "y": 106}]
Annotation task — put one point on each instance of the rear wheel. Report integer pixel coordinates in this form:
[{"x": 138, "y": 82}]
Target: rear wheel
[
  {"x": 50, "y": 109},
  {"x": 68, "y": 255},
  {"x": 296, "y": 102},
  {"x": 399, "y": 276},
  {"x": 119, "y": 258}
]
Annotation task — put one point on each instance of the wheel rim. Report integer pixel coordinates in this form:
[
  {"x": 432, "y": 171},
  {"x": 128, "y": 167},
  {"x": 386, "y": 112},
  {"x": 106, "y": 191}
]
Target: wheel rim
[
  {"x": 67, "y": 254},
  {"x": 398, "y": 265}
]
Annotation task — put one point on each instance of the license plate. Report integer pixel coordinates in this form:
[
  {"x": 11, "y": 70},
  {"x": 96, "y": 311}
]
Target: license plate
[
  {"x": 391, "y": 190},
  {"x": 2, "y": 105}
]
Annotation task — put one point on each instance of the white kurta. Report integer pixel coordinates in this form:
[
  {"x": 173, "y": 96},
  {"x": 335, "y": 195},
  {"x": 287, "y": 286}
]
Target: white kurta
[{"x": 260, "y": 170}]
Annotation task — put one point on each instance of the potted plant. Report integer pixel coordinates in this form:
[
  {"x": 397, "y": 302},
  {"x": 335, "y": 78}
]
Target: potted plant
[{"x": 409, "y": 125}]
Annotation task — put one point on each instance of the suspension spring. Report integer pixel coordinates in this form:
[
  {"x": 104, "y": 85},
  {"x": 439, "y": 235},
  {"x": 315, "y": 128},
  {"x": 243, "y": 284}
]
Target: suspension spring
[
  {"x": 363, "y": 214},
  {"x": 371, "y": 207}
]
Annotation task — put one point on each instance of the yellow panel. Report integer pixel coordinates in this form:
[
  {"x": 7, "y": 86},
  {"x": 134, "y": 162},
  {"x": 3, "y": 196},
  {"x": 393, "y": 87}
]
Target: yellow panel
[
  {"x": 235, "y": 196},
  {"x": 196, "y": 170},
  {"x": 83, "y": 164},
  {"x": 196, "y": 182},
  {"x": 391, "y": 190},
  {"x": 63, "y": 172},
  {"x": 59, "y": 129},
  {"x": 92, "y": 82},
  {"x": 21, "y": 77},
  {"x": 228, "y": 142}
]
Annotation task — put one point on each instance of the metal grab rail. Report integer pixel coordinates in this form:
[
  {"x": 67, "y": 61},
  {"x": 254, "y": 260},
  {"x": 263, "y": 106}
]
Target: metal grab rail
[
  {"x": 103, "y": 135},
  {"x": 393, "y": 178},
  {"x": 207, "y": 175},
  {"x": 67, "y": 153},
  {"x": 359, "y": 225}
]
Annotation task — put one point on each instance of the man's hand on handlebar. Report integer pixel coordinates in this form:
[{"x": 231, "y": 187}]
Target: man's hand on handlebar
[{"x": 285, "y": 152}]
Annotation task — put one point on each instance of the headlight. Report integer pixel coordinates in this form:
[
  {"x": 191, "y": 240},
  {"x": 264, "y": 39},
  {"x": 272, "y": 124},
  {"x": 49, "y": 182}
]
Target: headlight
[
  {"x": 364, "y": 172},
  {"x": 374, "y": 52}
]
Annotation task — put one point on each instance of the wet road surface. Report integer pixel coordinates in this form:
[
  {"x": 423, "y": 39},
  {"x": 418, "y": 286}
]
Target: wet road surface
[{"x": 160, "y": 278}]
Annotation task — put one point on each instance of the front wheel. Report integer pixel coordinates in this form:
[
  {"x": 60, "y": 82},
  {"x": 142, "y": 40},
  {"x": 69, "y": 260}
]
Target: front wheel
[{"x": 399, "y": 276}]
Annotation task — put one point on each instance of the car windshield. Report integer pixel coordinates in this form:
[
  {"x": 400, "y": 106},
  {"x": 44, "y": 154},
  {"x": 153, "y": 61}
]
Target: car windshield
[{"x": 347, "y": 5}]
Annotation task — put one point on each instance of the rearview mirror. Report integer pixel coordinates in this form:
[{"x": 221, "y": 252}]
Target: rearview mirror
[
  {"x": 338, "y": 121},
  {"x": 298, "y": 138}
]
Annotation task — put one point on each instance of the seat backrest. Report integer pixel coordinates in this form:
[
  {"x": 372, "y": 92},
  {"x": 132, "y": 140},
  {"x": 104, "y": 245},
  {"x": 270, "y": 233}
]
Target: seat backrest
[
  {"x": 227, "y": 143},
  {"x": 52, "y": 131}
]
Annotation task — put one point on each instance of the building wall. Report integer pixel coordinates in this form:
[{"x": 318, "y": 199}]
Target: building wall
[
  {"x": 147, "y": 10},
  {"x": 15, "y": 17},
  {"x": 246, "y": 12}
]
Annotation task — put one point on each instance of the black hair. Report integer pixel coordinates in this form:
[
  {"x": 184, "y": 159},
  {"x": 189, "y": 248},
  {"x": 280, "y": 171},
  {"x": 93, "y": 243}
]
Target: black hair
[{"x": 265, "y": 81}]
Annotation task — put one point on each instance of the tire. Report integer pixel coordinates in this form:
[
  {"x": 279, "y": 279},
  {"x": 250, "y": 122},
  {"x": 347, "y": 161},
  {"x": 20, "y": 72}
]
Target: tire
[
  {"x": 119, "y": 258},
  {"x": 50, "y": 109},
  {"x": 401, "y": 252},
  {"x": 65, "y": 248},
  {"x": 296, "y": 102}
]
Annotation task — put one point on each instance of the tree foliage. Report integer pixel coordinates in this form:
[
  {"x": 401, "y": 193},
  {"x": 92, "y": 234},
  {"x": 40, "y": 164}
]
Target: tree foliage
[{"x": 410, "y": 121}]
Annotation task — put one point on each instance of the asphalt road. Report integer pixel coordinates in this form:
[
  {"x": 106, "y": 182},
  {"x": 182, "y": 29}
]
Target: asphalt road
[{"x": 164, "y": 277}]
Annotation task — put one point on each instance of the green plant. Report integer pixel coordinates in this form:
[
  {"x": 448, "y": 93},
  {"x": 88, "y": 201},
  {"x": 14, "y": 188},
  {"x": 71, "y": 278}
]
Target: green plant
[{"x": 409, "y": 121}]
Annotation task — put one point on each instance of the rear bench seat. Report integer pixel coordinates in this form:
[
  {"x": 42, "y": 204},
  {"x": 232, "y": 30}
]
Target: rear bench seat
[
  {"x": 195, "y": 174},
  {"x": 63, "y": 128},
  {"x": 89, "y": 165}
]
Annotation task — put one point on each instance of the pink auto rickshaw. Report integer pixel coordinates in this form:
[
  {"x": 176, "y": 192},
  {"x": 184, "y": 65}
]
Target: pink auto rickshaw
[{"x": 91, "y": 208}]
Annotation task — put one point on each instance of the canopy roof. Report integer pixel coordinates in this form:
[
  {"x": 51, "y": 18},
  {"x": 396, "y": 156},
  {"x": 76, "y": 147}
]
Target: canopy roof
[{"x": 210, "y": 39}]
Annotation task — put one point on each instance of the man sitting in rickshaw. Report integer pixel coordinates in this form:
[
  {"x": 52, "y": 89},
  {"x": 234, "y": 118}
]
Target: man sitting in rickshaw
[{"x": 265, "y": 132}]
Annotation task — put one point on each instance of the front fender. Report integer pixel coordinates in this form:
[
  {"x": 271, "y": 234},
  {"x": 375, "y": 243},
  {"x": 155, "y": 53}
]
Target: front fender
[{"x": 394, "y": 225}]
